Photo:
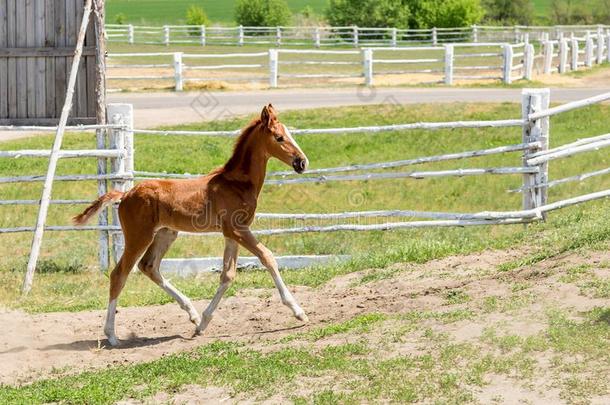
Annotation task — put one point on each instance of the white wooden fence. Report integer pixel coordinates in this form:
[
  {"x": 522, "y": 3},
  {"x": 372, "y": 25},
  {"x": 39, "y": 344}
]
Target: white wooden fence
[
  {"x": 533, "y": 149},
  {"x": 446, "y": 64},
  {"x": 324, "y": 36}
]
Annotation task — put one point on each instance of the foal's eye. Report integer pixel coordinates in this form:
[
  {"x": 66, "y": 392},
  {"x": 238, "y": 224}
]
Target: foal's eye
[{"x": 280, "y": 139}]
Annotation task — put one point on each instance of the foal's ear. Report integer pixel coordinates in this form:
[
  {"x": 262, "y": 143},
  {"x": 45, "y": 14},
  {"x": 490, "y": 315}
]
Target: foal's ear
[{"x": 268, "y": 115}]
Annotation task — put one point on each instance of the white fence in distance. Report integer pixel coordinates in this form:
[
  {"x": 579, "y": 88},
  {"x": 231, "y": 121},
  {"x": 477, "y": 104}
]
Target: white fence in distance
[
  {"x": 325, "y": 36},
  {"x": 443, "y": 64}
]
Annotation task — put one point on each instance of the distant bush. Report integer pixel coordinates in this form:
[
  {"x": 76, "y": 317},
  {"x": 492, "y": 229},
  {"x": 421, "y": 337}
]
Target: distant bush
[
  {"x": 405, "y": 13},
  {"x": 120, "y": 18},
  {"x": 196, "y": 15},
  {"x": 262, "y": 13},
  {"x": 509, "y": 12},
  {"x": 580, "y": 12}
]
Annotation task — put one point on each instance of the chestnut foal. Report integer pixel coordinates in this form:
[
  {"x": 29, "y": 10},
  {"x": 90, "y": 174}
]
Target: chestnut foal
[{"x": 153, "y": 212}]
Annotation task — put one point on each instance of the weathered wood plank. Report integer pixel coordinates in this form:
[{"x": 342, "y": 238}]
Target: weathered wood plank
[
  {"x": 12, "y": 63},
  {"x": 80, "y": 101},
  {"x": 90, "y": 63},
  {"x": 40, "y": 93},
  {"x": 3, "y": 63},
  {"x": 70, "y": 41},
  {"x": 21, "y": 82},
  {"x": 60, "y": 62},
  {"x": 11, "y": 52},
  {"x": 50, "y": 41},
  {"x": 30, "y": 34}
]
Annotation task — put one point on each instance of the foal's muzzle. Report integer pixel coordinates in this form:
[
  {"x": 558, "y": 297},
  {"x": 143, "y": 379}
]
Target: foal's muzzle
[{"x": 299, "y": 164}]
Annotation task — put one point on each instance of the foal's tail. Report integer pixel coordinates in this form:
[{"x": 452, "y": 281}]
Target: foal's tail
[{"x": 97, "y": 206}]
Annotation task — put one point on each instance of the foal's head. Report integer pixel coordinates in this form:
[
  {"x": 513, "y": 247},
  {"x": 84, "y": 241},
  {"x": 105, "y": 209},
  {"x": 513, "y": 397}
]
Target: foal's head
[{"x": 278, "y": 142}]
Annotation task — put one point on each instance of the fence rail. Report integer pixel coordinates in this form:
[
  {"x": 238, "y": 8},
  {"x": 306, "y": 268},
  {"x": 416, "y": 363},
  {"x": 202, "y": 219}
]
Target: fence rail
[
  {"x": 446, "y": 64},
  {"x": 534, "y": 152},
  {"x": 325, "y": 36}
]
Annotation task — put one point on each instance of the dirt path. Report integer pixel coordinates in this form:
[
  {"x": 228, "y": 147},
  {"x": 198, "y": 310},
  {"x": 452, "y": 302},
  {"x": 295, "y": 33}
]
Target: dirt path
[{"x": 33, "y": 346}]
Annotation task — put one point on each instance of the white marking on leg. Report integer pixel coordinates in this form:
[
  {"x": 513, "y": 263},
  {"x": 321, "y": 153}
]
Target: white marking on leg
[
  {"x": 206, "y": 317},
  {"x": 183, "y": 300},
  {"x": 109, "y": 327}
]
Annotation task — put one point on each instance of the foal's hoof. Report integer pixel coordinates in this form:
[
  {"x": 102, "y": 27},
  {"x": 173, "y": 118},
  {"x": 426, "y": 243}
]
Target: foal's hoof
[
  {"x": 195, "y": 319},
  {"x": 302, "y": 317},
  {"x": 113, "y": 341}
]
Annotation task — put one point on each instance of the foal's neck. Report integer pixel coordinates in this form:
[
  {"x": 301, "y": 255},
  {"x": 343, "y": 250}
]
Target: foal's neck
[{"x": 248, "y": 163}]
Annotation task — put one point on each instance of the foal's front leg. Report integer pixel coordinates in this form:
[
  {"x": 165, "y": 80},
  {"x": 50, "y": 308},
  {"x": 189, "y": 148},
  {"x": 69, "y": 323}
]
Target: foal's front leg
[
  {"x": 247, "y": 240},
  {"x": 229, "y": 269}
]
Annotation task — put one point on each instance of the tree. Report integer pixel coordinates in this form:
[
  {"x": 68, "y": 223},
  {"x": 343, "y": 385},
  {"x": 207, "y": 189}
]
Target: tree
[
  {"x": 368, "y": 13},
  {"x": 509, "y": 12},
  {"x": 444, "y": 13},
  {"x": 262, "y": 13},
  {"x": 196, "y": 16}
]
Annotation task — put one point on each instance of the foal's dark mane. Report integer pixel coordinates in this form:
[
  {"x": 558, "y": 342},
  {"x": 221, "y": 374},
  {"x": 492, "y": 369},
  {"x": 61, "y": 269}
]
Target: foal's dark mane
[{"x": 239, "y": 156}]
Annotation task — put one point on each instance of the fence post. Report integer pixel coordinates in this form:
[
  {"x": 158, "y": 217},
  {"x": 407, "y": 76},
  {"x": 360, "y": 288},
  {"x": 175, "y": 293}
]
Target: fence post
[
  {"x": 534, "y": 189},
  {"x": 589, "y": 52},
  {"x": 574, "y": 64},
  {"x": 528, "y": 61},
  {"x": 526, "y": 38},
  {"x": 517, "y": 34},
  {"x": 475, "y": 34},
  {"x": 355, "y": 35},
  {"x": 273, "y": 67},
  {"x": 166, "y": 35},
  {"x": 368, "y": 66},
  {"x": 563, "y": 55},
  {"x": 434, "y": 36},
  {"x": 608, "y": 46},
  {"x": 508, "y": 63},
  {"x": 178, "y": 71},
  {"x": 394, "y": 37},
  {"x": 240, "y": 35},
  {"x": 202, "y": 35},
  {"x": 130, "y": 34},
  {"x": 549, "y": 49},
  {"x": 449, "y": 65},
  {"x": 121, "y": 139},
  {"x": 278, "y": 36},
  {"x": 600, "y": 45},
  {"x": 316, "y": 37}
]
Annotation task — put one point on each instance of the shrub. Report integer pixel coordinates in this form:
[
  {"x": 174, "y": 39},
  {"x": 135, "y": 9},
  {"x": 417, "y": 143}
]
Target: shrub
[
  {"x": 368, "y": 13},
  {"x": 262, "y": 13},
  {"x": 444, "y": 13},
  {"x": 509, "y": 12},
  {"x": 580, "y": 12},
  {"x": 196, "y": 15},
  {"x": 120, "y": 18}
]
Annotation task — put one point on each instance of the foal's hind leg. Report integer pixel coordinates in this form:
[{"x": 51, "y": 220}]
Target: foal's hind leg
[
  {"x": 135, "y": 246},
  {"x": 229, "y": 270},
  {"x": 149, "y": 265}
]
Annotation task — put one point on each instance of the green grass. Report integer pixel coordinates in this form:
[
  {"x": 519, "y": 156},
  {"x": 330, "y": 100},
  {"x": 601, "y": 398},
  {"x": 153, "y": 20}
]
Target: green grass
[
  {"x": 159, "y": 12},
  {"x": 80, "y": 286},
  {"x": 440, "y": 371}
]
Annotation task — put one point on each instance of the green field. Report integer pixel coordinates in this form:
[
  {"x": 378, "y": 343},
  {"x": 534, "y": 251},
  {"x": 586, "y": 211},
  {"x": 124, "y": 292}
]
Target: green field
[{"x": 159, "y": 12}]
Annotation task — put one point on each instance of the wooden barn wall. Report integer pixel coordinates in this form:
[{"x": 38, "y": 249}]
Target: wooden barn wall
[{"x": 37, "y": 41}]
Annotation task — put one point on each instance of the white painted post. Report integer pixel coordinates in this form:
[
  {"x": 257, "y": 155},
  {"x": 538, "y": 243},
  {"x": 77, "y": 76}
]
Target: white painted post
[
  {"x": 368, "y": 66},
  {"x": 563, "y": 55},
  {"x": 549, "y": 49},
  {"x": 449, "y": 65},
  {"x": 240, "y": 35},
  {"x": 278, "y": 36},
  {"x": 475, "y": 34},
  {"x": 394, "y": 37},
  {"x": 121, "y": 139},
  {"x": 202, "y": 35},
  {"x": 508, "y": 63},
  {"x": 355, "y": 35},
  {"x": 560, "y": 36},
  {"x": 535, "y": 192},
  {"x": 45, "y": 199},
  {"x": 526, "y": 38},
  {"x": 434, "y": 37},
  {"x": 273, "y": 67},
  {"x": 608, "y": 46},
  {"x": 589, "y": 52},
  {"x": 528, "y": 62},
  {"x": 166, "y": 35},
  {"x": 574, "y": 64},
  {"x": 517, "y": 34},
  {"x": 178, "y": 71},
  {"x": 316, "y": 37},
  {"x": 599, "y": 56},
  {"x": 130, "y": 34}
]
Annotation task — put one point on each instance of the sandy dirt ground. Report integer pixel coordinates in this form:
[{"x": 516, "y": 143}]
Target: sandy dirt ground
[{"x": 42, "y": 345}]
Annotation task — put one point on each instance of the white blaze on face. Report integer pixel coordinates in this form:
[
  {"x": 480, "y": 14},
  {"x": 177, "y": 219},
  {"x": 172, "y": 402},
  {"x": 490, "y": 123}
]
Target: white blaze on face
[{"x": 296, "y": 145}]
